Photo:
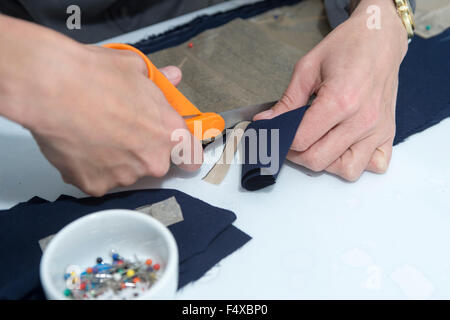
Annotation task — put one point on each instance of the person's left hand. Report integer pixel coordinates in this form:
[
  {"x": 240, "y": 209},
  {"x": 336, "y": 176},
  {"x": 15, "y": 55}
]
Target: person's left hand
[{"x": 350, "y": 126}]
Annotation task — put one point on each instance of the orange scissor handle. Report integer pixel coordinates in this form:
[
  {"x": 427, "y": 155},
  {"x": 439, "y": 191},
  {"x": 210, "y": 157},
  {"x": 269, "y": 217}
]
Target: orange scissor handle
[
  {"x": 178, "y": 101},
  {"x": 208, "y": 125}
]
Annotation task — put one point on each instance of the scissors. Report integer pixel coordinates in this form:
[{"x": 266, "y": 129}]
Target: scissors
[{"x": 203, "y": 125}]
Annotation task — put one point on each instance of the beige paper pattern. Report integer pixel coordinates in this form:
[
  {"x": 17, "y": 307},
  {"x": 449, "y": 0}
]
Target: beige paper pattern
[
  {"x": 220, "y": 169},
  {"x": 246, "y": 62}
]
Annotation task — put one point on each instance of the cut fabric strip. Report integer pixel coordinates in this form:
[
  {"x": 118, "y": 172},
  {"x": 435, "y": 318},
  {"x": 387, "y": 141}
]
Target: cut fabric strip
[
  {"x": 219, "y": 171},
  {"x": 204, "y": 237},
  {"x": 266, "y": 144}
]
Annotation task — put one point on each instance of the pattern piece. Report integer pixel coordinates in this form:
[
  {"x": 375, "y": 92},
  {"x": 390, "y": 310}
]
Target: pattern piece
[
  {"x": 219, "y": 171},
  {"x": 168, "y": 212},
  {"x": 432, "y": 17}
]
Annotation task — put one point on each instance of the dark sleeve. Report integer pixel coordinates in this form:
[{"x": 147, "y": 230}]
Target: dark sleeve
[
  {"x": 100, "y": 19},
  {"x": 339, "y": 10},
  {"x": 15, "y": 9}
]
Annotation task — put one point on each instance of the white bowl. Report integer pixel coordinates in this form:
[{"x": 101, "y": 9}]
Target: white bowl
[{"x": 127, "y": 232}]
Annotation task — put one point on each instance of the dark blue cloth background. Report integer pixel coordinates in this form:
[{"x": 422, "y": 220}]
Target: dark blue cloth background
[
  {"x": 423, "y": 100},
  {"x": 424, "y": 86},
  {"x": 204, "y": 237}
]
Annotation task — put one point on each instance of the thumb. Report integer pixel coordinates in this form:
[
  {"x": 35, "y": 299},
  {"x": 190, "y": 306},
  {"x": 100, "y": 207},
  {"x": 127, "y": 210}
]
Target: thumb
[
  {"x": 172, "y": 73},
  {"x": 296, "y": 95}
]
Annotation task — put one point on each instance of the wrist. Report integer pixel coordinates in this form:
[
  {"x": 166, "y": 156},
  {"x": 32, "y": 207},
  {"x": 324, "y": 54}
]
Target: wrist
[
  {"x": 390, "y": 27},
  {"x": 32, "y": 69}
]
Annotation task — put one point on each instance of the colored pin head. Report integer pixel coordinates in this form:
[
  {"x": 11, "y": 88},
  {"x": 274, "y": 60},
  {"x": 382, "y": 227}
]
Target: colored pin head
[{"x": 122, "y": 277}]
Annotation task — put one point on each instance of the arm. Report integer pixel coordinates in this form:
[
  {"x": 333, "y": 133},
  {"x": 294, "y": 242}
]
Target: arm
[
  {"x": 94, "y": 113},
  {"x": 350, "y": 126},
  {"x": 339, "y": 10}
]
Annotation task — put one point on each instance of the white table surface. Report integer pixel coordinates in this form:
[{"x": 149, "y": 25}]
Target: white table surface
[{"x": 385, "y": 236}]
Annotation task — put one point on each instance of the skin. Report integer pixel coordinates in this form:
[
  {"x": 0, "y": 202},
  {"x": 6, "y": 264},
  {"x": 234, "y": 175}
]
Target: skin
[
  {"x": 350, "y": 126},
  {"x": 93, "y": 112},
  {"x": 102, "y": 123}
]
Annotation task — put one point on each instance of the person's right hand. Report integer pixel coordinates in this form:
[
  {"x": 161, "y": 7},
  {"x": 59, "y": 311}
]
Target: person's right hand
[{"x": 94, "y": 113}]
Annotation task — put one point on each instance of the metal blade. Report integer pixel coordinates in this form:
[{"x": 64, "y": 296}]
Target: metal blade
[{"x": 233, "y": 117}]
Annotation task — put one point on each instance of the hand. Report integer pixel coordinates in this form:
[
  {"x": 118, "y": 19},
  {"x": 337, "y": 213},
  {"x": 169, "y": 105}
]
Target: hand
[
  {"x": 350, "y": 126},
  {"x": 94, "y": 113}
]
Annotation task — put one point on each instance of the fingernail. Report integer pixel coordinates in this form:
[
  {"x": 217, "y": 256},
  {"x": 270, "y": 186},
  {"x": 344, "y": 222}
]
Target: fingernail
[
  {"x": 265, "y": 114},
  {"x": 171, "y": 73},
  {"x": 381, "y": 163}
]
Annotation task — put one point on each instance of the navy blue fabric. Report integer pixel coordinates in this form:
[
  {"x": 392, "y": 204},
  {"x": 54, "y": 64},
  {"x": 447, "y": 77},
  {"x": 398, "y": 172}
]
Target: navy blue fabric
[
  {"x": 204, "y": 237},
  {"x": 185, "y": 32},
  {"x": 424, "y": 86},
  {"x": 423, "y": 100},
  {"x": 224, "y": 244},
  {"x": 286, "y": 124}
]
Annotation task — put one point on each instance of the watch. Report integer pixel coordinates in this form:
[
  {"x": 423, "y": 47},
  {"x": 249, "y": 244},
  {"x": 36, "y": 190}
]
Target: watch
[{"x": 406, "y": 14}]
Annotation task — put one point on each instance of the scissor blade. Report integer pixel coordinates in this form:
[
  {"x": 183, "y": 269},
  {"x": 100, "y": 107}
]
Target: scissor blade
[{"x": 233, "y": 117}]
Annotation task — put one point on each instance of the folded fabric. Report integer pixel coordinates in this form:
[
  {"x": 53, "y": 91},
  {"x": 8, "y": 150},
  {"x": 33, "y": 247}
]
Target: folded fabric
[
  {"x": 260, "y": 167},
  {"x": 204, "y": 237},
  {"x": 423, "y": 100}
]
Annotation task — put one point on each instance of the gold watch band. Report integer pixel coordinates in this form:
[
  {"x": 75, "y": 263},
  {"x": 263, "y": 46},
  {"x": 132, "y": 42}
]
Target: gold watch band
[{"x": 405, "y": 12}]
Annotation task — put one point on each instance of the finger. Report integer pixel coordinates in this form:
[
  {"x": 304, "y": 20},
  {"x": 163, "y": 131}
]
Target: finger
[
  {"x": 186, "y": 151},
  {"x": 330, "y": 108},
  {"x": 172, "y": 73},
  {"x": 302, "y": 85},
  {"x": 328, "y": 149},
  {"x": 131, "y": 59},
  {"x": 196, "y": 156},
  {"x": 354, "y": 161},
  {"x": 381, "y": 158},
  {"x": 382, "y": 155}
]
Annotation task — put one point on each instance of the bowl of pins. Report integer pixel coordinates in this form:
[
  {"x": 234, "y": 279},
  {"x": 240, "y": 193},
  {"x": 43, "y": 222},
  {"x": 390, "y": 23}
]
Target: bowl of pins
[{"x": 111, "y": 255}]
